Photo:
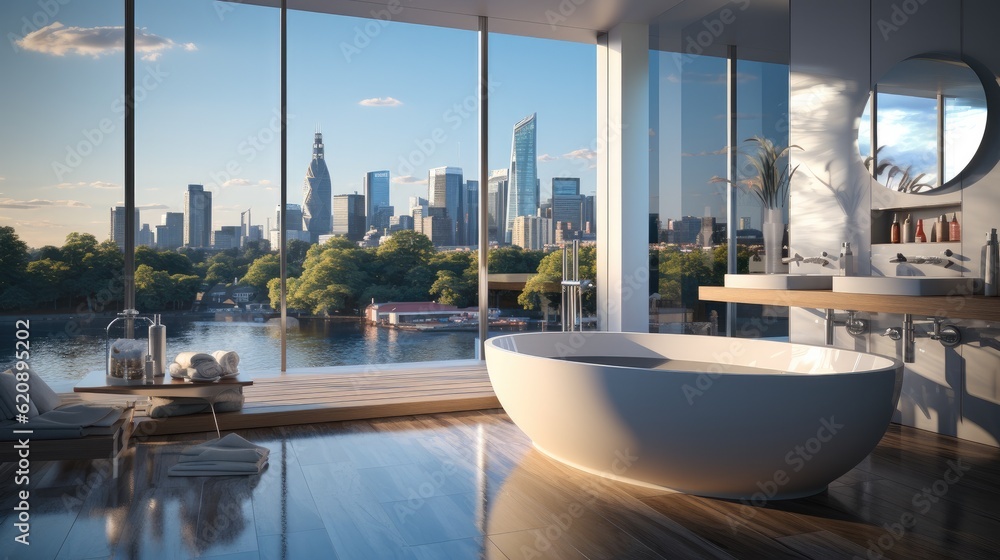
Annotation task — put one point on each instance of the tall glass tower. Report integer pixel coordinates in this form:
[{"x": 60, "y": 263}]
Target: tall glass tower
[
  {"x": 446, "y": 189},
  {"x": 522, "y": 188},
  {"x": 376, "y": 196},
  {"x": 316, "y": 212}
]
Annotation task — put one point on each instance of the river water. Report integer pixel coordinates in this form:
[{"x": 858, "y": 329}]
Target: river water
[{"x": 64, "y": 350}]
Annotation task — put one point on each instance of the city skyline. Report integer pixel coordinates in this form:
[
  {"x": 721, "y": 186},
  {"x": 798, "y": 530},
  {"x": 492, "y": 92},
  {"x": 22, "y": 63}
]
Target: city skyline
[{"x": 207, "y": 102}]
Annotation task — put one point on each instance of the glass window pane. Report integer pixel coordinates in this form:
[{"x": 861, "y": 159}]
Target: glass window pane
[
  {"x": 207, "y": 176},
  {"x": 382, "y": 170},
  {"x": 542, "y": 186},
  {"x": 62, "y": 171}
]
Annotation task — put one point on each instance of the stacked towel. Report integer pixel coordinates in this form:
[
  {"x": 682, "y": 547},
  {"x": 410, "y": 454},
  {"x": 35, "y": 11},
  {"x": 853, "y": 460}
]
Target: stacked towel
[
  {"x": 229, "y": 456},
  {"x": 229, "y": 361},
  {"x": 196, "y": 367}
]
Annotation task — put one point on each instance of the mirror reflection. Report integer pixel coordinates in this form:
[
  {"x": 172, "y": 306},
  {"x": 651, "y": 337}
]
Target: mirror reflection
[{"x": 930, "y": 118}]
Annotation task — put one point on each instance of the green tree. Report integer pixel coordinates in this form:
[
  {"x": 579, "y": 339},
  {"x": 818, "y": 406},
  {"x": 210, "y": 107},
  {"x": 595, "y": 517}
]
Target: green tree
[
  {"x": 76, "y": 248},
  {"x": 333, "y": 278},
  {"x": 549, "y": 274},
  {"x": 513, "y": 260},
  {"x": 222, "y": 268},
  {"x": 13, "y": 258},
  {"x": 454, "y": 289},
  {"x": 262, "y": 271},
  {"x": 152, "y": 288},
  {"x": 402, "y": 269},
  {"x": 48, "y": 280},
  {"x": 100, "y": 275},
  {"x": 183, "y": 289}
]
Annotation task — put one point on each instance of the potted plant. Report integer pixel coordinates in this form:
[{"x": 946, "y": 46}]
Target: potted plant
[{"x": 768, "y": 181}]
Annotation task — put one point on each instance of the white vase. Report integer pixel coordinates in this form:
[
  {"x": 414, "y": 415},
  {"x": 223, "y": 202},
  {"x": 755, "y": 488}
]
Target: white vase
[{"x": 774, "y": 232}]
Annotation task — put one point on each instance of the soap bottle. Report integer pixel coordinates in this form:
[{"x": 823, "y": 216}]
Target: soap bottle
[
  {"x": 954, "y": 230},
  {"x": 990, "y": 263},
  {"x": 919, "y": 237},
  {"x": 941, "y": 229},
  {"x": 907, "y": 233},
  {"x": 846, "y": 260},
  {"x": 894, "y": 230},
  {"x": 158, "y": 346}
]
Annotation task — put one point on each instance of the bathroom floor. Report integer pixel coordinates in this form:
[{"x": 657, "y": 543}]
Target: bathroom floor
[{"x": 469, "y": 485}]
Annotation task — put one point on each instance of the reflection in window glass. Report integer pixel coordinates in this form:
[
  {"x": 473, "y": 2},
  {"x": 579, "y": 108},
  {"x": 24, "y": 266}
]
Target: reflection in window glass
[
  {"x": 689, "y": 220},
  {"x": 907, "y": 141},
  {"x": 964, "y": 126}
]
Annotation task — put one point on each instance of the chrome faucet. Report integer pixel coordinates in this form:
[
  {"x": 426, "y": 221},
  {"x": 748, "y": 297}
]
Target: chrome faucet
[{"x": 821, "y": 260}]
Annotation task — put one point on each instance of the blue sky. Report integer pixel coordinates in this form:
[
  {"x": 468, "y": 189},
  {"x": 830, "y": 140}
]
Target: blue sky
[{"x": 208, "y": 101}]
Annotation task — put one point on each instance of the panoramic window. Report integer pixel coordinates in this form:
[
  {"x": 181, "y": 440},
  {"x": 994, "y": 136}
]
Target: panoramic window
[
  {"x": 542, "y": 178},
  {"x": 208, "y": 177},
  {"x": 62, "y": 172},
  {"x": 382, "y": 191}
]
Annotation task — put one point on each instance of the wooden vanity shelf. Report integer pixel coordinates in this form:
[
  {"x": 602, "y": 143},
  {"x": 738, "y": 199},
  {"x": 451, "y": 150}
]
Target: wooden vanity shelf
[{"x": 978, "y": 308}]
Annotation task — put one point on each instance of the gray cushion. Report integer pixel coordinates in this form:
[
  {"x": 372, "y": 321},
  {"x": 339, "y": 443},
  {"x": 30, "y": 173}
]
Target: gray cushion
[
  {"x": 42, "y": 395},
  {"x": 8, "y": 390}
]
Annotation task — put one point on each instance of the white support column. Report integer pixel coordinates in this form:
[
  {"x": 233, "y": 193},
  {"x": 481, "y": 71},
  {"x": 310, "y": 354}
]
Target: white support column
[{"x": 623, "y": 178}]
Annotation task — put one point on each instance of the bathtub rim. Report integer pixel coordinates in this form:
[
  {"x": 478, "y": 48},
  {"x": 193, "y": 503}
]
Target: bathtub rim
[{"x": 893, "y": 364}]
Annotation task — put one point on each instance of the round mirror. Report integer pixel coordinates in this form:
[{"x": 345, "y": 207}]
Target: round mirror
[{"x": 929, "y": 120}]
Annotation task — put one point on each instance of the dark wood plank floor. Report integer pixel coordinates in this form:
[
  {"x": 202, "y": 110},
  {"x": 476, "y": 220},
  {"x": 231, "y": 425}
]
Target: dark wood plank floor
[{"x": 469, "y": 485}]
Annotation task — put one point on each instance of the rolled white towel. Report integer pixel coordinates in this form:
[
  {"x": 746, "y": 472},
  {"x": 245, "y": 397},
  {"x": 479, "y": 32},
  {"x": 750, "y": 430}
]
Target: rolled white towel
[
  {"x": 178, "y": 372},
  {"x": 229, "y": 361},
  {"x": 206, "y": 366}
]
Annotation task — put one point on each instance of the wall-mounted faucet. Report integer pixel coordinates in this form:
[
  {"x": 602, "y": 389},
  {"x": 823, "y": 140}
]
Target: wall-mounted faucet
[
  {"x": 947, "y": 263},
  {"x": 797, "y": 258},
  {"x": 947, "y": 335}
]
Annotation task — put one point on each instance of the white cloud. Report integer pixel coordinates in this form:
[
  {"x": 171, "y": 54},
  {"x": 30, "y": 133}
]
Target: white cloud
[
  {"x": 3, "y": 178},
  {"x": 380, "y": 102},
  {"x": 153, "y": 207},
  {"x": 104, "y": 185},
  {"x": 92, "y": 184},
  {"x": 39, "y": 203},
  {"x": 237, "y": 183},
  {"x": 582, "y": 153},
  {"x": 409, "y": 180},
  {"x": 546, "y": 158},
  {"x": 58, "y": 40}
]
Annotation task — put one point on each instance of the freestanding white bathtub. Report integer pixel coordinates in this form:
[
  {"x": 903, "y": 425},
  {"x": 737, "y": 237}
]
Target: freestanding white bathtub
[{"x": 636, "y": 407}]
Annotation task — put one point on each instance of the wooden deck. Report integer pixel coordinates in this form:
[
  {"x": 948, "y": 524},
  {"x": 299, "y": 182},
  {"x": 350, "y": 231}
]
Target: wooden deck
[{"x": 312, "y": 398}]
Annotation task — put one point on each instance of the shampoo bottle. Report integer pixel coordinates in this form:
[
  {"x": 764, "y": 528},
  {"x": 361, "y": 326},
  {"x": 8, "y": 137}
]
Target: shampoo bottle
[
  {"x": 990, "y": 263},
  {"x": 954, "y": 230},
  {"x": 919, "y": 237},
  {"x": 894, "y": 230},
  {"x": 907, "y": 233},
  {"x": 941, "y": 229},
  {"x": 158, "y": 346}
]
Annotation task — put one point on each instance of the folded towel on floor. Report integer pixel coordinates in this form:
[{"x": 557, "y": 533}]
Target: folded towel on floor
[
  {"x": 227, "y": 455},
  {"x": 229, "y": 441},
  {"x": 229, "y": 361},
  {"x": 230, "y": 455},
  {"x": 217, "y": 468}
]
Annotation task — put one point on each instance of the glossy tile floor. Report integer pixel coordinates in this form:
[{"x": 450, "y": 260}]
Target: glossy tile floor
[{"x": 470, "y": 485}]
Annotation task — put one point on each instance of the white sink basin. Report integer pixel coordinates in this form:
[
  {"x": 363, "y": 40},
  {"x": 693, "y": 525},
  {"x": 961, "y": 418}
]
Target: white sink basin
[
  {"x": 906, "y": 285},
  {"x": 779, "y": 281}
]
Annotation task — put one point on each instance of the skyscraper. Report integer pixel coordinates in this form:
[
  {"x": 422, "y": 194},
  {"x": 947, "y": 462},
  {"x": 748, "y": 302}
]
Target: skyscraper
[
  {"x": 118, "y": 226},
  {"x": 472, "y": 212},
  {"x": 497, "y": 199},
  {"x": 567, "y": 204},
  {"x": 316, "y": 211},
  {"x": 376, "y": 196},
  {"x": 522, "y": 190},
  {"x": 197, "y": 217},
  {"x": 170, "y": 232},
  {"x": 293, "y": 221},
  {"x": 532, "y": 233},
  {"x": 349, "y": 216},
  {"x": 446, "y": 189}
]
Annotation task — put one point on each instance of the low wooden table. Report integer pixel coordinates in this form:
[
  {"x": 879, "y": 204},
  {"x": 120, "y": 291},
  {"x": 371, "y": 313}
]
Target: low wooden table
[{"x": 166, "y": 386}]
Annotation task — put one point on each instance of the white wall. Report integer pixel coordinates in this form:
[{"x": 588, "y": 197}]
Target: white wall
[{"x": 838, "y": 50}]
